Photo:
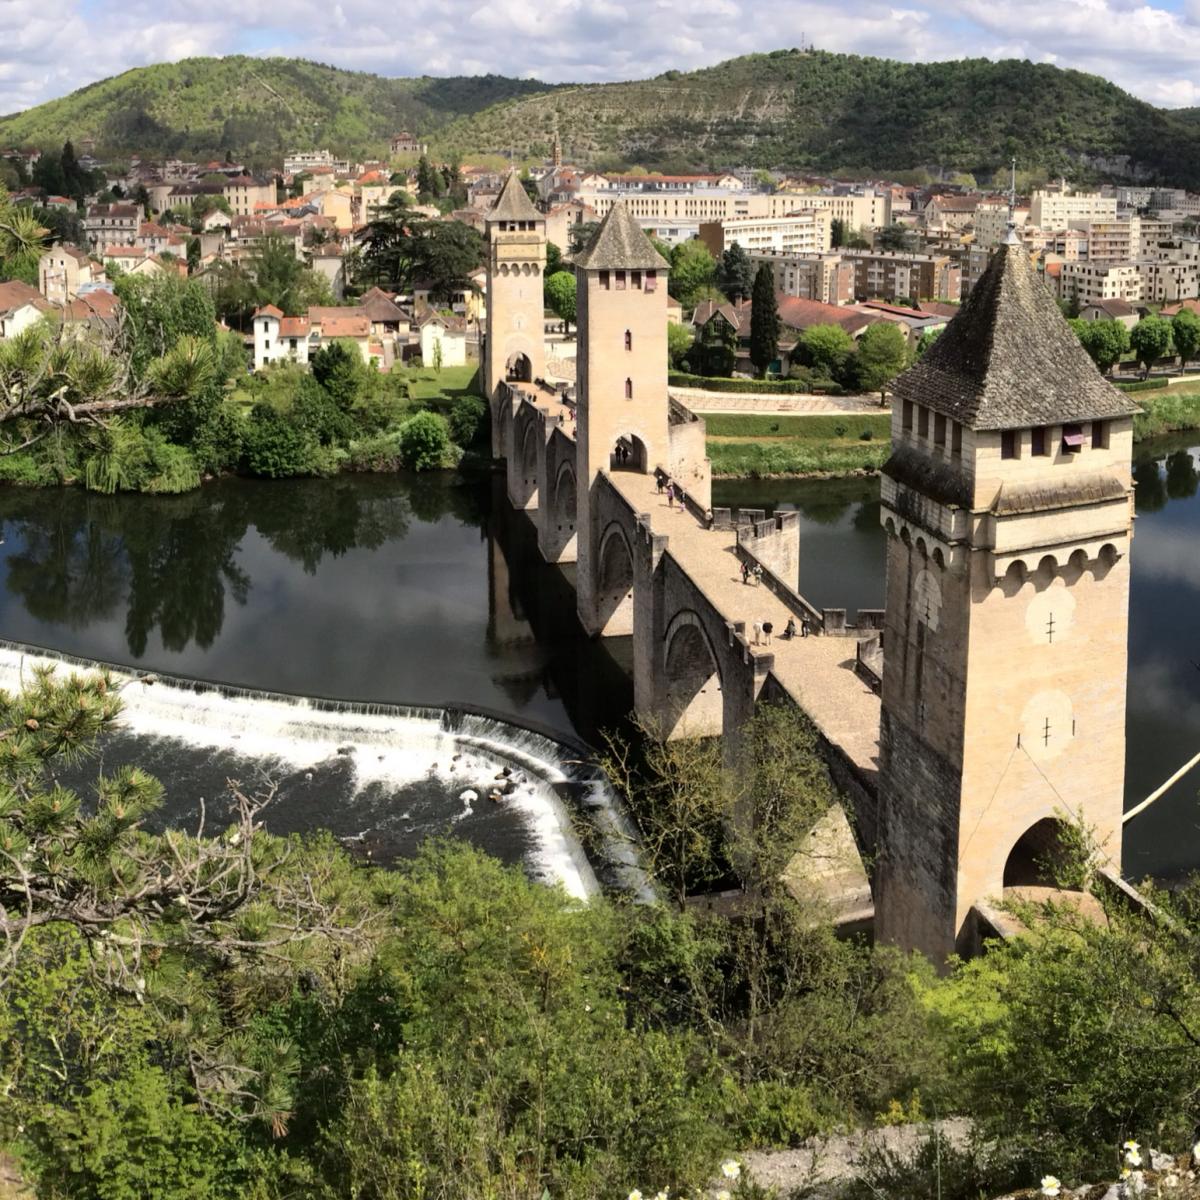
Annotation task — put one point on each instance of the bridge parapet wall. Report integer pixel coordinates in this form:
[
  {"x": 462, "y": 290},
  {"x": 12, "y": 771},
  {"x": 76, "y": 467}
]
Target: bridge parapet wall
[{"x": 558, "y": 507}]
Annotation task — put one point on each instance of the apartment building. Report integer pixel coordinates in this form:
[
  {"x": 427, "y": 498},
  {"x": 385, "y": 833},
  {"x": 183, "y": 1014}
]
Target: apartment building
[
  {"x": 111, "y": 223},
  {"x": 1058, "y": 208},
  {"x": 828, "y": 278},
  {"x": 806, "y": 232},
  {"x": 1091, "y": 282}
]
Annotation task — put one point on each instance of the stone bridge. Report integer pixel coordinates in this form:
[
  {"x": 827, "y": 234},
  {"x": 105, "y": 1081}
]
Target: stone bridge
[{"x": 669, "y": 575}]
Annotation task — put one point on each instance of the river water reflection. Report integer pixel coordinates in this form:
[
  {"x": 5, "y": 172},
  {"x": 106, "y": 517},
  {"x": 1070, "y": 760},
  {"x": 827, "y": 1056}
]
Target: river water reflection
[{"x": 426, "y": 590}]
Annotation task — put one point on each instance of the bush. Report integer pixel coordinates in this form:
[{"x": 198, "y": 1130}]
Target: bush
[
  {"x": 275, "y": 447},
  {"x": 170, "y": 470},
  {"x": 468, "y": 419},
  {"x": 756, "y": 460},
  {"x": 318, "y": 417},
  {"x": 25, "y": 471},
  {"x": 379, "y": 453},
  {"x": 424, "y": 442},
  {"x": 1145, "y": 385}
]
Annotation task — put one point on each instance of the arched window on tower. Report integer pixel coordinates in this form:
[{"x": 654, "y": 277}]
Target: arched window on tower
[
  {"x": 629, "y": 389},
  {"x": 628, "y": 339}
]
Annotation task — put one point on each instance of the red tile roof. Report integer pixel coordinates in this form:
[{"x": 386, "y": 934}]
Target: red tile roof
[
  {"x": 269, "y": 310},
  {"x": 294, "y": 327},
  {"x": 14, "y": 295}
]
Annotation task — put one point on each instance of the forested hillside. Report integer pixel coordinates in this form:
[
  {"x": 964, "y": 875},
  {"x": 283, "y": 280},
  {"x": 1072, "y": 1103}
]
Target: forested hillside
[
  {"x": 840, "y": 111},
  {"x": 786, "y": 108},
  {"x": 255, "y": 107}
]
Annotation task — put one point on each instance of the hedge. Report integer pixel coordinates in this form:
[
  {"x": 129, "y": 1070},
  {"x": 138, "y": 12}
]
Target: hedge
[
  {"x": 1173, "y": 413},
  {"x": 1144, "y": 385},
  {"x": 755, "y": 459},
  {"x": 780, "y": 387}
]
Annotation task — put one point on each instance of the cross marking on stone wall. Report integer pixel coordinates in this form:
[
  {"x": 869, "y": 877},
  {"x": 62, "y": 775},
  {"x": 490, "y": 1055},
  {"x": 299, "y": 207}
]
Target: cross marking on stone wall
[
  {"x": 1050, "y": 628},
  {"x": 1046, "y": 732}
]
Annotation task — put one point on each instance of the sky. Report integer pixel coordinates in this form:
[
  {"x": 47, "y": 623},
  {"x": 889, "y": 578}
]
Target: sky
[{"x": 51, "y": 47}]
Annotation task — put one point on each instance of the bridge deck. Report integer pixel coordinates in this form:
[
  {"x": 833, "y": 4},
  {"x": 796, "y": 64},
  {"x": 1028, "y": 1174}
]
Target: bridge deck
[{"x": 817, "y": 672}]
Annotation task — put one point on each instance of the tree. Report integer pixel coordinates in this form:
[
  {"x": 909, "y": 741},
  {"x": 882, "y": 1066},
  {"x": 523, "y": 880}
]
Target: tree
[
  {"x": 339, "y": 369},
  {"x": 554, "y": 259},
  {"x": 827, "y": 349},
  {"x": 560, "y": 295},
  {"x": 837, "y": 233},
  {"x": 1185, "y": 333},
  {"x": 927, "y": 338},
  {"x": 274, "y": 447},
  {"x": 281, "y": 279},
  {"x": 430, "y": 184},
  {"x": 1105, "y": 341},
  {"x": 736, "y": 274},
  {"x": 581, "y": 234},
  {"x": 679, "y": 342},
  {"x": 22, "y": 239},
  {"x": 401, "y": 249},
  {"x": 693, "y": 269},
  {"x": 880, "y": 357},
  {"x": 764, "y": 320},
  {"x": 424, "y": 442},
  {"x": 158, "y": 311},
  {"x": 1149, "y": 339},
  {"x": 894, "y": 237}
]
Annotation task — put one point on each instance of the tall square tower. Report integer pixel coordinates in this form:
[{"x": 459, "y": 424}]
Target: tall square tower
[
  {"x": 516, "y": 339},
  {"x": 621, "y": 388},
  {"x": 1008, "y": 504}
]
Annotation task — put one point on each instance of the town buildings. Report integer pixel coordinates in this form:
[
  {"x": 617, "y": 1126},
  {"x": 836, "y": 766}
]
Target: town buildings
[{"x": 799, "y": 233}]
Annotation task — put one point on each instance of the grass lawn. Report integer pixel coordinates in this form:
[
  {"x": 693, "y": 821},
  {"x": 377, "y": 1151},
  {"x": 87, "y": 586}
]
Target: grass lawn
[
  {"x": 752, "y": 445},
  {"x": 441, "y": 388}
]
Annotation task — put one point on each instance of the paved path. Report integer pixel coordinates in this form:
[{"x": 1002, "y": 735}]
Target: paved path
[
  {"x": 702, "y": 401},
  {"x": 818, "y": 672}
]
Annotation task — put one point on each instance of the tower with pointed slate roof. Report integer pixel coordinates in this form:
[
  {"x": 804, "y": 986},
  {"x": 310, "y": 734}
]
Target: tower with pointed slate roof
[
  {"x": 515, "y": 342},
  {"x": 1008, "y": 505},
  {"x": 621, "y": 381}
]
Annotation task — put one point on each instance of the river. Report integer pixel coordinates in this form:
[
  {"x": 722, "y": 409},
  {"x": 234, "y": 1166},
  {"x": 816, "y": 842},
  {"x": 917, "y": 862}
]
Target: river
[{"x": 429, "y": 591}]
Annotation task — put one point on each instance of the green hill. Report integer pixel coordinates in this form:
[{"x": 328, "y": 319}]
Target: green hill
[
  {"x": 829, "y": 111},
  {"x": 256, "y": 107}
]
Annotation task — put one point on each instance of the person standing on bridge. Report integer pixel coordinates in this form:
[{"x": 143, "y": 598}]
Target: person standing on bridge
[
  {"x": 758, "y": 629},
  {"x": 745, "y": 574},
  {"x": 789, "y": 630},
  {"x": 768, "y": 629},
  {"x": 670, "y": 495}
]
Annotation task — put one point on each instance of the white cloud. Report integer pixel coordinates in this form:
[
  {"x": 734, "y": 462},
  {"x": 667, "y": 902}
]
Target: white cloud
[{"x": 1149, "y": 49}]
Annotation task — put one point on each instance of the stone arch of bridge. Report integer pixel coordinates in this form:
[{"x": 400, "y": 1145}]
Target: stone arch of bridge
[
  {"x": 1038, "y": 854},
  {"x": 614, "y": 577},
  {"x": 565, "y": 499},
  {"x": 693, "y": 700}
]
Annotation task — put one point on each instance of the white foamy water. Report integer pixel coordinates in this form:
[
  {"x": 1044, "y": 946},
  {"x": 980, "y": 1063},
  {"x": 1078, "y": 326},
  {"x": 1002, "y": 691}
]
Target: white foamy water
[{"x": 387, "y": 745}]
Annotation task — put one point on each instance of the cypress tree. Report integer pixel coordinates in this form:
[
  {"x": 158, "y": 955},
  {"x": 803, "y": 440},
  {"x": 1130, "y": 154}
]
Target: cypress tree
[{"x": 764, "y": 321}]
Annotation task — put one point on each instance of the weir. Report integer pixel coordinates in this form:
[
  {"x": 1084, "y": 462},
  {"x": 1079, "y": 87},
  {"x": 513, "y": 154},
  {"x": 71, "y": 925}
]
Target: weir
[{"x": 387, "y": 750}]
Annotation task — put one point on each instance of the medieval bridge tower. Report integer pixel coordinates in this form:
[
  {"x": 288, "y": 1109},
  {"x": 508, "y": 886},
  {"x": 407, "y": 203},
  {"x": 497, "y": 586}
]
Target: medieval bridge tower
[
  {"x": 1008, "y": 505},
  {"x": 621, "y": 382},
  {"x": 515, "y": 334}
]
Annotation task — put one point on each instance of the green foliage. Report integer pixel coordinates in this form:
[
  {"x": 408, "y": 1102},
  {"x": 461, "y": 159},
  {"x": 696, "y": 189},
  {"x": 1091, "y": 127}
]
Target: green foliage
[
  {"x": 1144, "y": 385},
  {"x": 280, "y": 278},
  {"x": 779, "y": 387},
  {"x": 939, "y": 1168},
  {"x": 1185, "y": 333},
  {"x": 827, "y": 349},
  {"x": 881, "y": 355},
  {"x": 560, "y": 295},
  {"x": 1149, "y": 339},
  {"x": 735, "y": 276},
  {"x": 693, "y": 272},
  {"x": 401, "y": 250},
  {"x": 927, "y": 338},
  {"x": 1079, "y": 1035},
  {"x": 159, "y": 311},
  {"x": 679, "y": 342},
  {"x": 318, "y": 416},
  {"x": 714, "y": 350},
  {"x": 810, "y": 426},
  {"x": 276, "y": 447},
  {"x": 1105, "y": 341},
  {"x": 199, "y": 107},
  {"x": 424, "y": 441},
  {"x": 830, "y": 111},
  {"x": 764, "y": 320},
  {"x": 468, "y": 420},
  {"x": 339, "y": 369},
  {"x": 763, "y": 460},
  {"x": 1165, "y": 413}
]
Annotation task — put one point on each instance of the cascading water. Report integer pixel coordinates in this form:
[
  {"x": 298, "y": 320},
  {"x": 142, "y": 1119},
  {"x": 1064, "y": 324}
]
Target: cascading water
[{"x": 381, "y": 777}]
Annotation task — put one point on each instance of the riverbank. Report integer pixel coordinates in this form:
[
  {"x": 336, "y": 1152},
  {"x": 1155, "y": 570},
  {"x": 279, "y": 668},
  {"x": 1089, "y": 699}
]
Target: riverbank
[{"x": 800, "y": 445}]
